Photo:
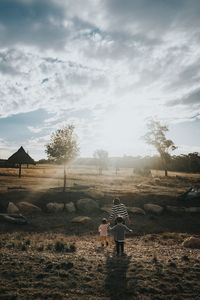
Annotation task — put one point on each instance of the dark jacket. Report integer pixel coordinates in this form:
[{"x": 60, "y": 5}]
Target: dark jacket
[{"x": 119, "y": 231}]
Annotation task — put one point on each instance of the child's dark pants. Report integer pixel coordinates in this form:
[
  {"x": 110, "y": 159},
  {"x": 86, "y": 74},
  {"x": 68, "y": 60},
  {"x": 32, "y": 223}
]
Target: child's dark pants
[{"x": 119, "y": 247}]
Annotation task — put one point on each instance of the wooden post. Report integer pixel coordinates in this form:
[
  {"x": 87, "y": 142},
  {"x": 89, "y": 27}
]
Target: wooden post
[
  {"x": 20, "y": 170},
  {"x": 64, "y": 185}
]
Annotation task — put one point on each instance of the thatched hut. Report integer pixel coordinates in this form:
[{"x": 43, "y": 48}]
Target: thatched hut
[{"x": 20, "y": 158}]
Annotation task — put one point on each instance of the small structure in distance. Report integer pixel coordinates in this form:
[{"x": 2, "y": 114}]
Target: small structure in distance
[{"x": 20, "y": 158}]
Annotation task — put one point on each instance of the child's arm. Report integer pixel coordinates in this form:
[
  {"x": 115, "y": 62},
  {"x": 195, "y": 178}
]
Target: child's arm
[
  {"x": 111, "y": 228},
  {"x": 128, "y": 229}
]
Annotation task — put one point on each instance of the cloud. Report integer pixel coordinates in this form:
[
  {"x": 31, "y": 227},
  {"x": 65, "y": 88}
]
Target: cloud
[
  {"x": 32, "y": 22},
  {"x": 98, "y": 62},
  {"x": 192, "y": 99}
]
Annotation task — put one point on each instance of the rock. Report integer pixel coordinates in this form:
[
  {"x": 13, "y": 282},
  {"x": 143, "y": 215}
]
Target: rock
[
  {"x": 95, "y": 194},
  {"x": 21, "y": 220},
  {"x": 54, "y": 207},
  {"x": 153, "y": 208},
  {"x": 81, "y": 219},
  {"x": 175, "y": 209},
  {"x": 136, "y": 210},
  {"x": 70, "y": 207},
  {"x": 27, "y": 207},
  {"x": 106, "y": 209},
  {"x": 157, "y": 179},
  {"x": 192, "y": 242},
  {"x": 12, "y": 208},
  {"x": 87, "y": 205},
  {"x": 192, "y": 209}
]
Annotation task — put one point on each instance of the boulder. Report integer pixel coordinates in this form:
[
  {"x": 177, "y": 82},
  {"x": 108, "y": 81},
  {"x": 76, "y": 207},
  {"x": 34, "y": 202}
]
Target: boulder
[
  {"x": 81, "y": 219},
  {"x": 175, "y": 209},
  {"x": 192, "y": 242},
  {"x": 106, "y": 209},
  {"x": 19, "y": 219},
  {"x": 12, "y": 208},
  {"x": 87, "y": 204},
  {"x": 54, "y": 207},
  {"x": 95, "y": 194},
  {"x": 70, "y": 207},
  {"x": 192, "y": 209},
  {"x": 136, "y": 210},
  {"x": 27, "y": 207},
  {"x": 153, "y": 208},
  {"x": 157, "y": 179}
]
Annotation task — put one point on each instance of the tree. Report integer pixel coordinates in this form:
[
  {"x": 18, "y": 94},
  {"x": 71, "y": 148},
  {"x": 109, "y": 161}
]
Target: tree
[
  {"x": 155, "y": 136},
  {"x": 101, "y": 157},
  {"x": 63, "y": 147}
]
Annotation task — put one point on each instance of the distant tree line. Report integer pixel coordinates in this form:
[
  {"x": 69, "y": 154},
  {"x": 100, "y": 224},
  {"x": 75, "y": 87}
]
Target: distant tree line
[
  {"x": 63, "y": 148},
  {"x": 181, "y": 163}
]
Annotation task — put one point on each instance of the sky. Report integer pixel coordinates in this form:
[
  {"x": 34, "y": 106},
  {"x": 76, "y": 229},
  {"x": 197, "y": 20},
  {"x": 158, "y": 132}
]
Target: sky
[{"x": 106, "y": 66}]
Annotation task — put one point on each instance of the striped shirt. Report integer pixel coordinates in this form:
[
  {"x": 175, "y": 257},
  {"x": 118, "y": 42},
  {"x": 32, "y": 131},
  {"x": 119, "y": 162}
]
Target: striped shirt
[{"x": 118, "y": 210}]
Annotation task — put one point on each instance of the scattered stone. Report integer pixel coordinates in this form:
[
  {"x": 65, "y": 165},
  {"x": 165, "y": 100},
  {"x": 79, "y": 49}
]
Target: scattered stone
[
  {"x": 81, "y": 219},
  {"x": 21, "y": 220},
  {"x": 54, "y": 207},
  {"x": 157, "y": 179},
  {"x": 87, "y": 205},
  {"x": 153, "y": 208},
  {"x": 27, "y": 207},
  {"x": 70, "y": 207},
  {"x": 12, "y": 208},
  {"x": 136, "y": 210},
  {"x": 192, "y": 242}
]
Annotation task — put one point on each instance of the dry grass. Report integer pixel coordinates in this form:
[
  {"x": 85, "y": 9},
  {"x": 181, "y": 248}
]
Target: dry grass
[
  {"x": 52, "y": 258},
  {"x": 156, "y": 267}
]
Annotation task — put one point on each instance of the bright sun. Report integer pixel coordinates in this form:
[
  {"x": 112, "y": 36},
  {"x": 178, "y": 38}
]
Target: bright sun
[{"x": 121, "y": 132}]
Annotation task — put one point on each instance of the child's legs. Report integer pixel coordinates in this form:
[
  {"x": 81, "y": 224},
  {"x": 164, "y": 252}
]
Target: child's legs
[
  {"x": 121, "y": 246},
  {"x": 117, "y": 247},
  {"x": 103, "y": 240}
]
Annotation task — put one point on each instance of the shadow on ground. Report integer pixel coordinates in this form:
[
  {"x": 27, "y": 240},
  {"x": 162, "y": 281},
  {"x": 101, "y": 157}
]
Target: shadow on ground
[{"x": 116, "y": 279}]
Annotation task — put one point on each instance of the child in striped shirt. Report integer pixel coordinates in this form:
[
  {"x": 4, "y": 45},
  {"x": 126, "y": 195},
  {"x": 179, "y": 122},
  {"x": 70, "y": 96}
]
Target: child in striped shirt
[{"x": 119, "y": 209}]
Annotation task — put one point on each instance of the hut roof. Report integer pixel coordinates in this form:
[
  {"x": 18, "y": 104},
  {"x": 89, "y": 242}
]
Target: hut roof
[{"x": 20, "y": 157}]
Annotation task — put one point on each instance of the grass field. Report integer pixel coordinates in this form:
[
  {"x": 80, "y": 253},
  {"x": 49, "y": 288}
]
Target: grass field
[{"x": 53, "y": 258}]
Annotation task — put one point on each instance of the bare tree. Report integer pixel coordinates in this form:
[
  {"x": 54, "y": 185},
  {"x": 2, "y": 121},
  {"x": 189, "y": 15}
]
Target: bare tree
[
  {"x": 101, "y": 158},
  {"x": 63, "y": 147},
  {"x": 155, "y": 136}
]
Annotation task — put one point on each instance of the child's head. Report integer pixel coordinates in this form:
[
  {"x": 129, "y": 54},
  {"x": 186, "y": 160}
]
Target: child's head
[
  {"x": 119, "y": 219},
  {"x": 116, "y": 201},
  {"x": 104, "y": 221}
]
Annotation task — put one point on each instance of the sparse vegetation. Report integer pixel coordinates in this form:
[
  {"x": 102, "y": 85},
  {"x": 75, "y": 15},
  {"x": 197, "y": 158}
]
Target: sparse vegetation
[{"x": 53, "y": 258}]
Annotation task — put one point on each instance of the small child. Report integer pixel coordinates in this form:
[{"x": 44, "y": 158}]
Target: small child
[
  {"x": 119, "y": 235},
  {"x": 103, "y": 230}
]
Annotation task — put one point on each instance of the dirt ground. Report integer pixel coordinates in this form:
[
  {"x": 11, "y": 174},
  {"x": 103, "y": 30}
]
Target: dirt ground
[{"x": 53, "y": 258}]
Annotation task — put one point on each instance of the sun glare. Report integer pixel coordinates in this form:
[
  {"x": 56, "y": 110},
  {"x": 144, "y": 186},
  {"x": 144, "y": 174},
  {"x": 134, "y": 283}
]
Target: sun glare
[{"x": 121, "y": 131}]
